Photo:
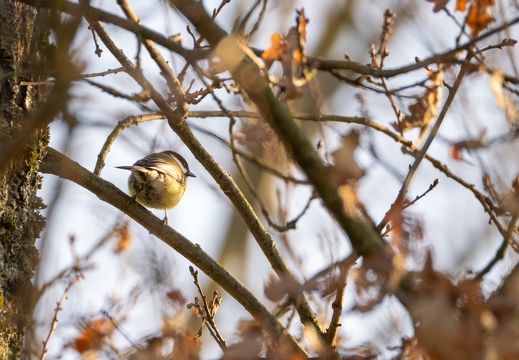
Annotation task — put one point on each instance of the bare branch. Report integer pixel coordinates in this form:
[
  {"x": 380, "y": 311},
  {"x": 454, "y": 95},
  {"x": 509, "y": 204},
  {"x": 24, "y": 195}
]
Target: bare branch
[{"x": 54, "y": 324}]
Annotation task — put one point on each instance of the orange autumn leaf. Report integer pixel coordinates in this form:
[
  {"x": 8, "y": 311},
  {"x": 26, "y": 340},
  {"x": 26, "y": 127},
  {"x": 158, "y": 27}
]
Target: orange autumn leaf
[
  {"x": 93, "y": 335},
  {"x": 276, "y": 51},
  {"x": 289, "y": 49},
  {"x": 296, "y": 37},
  {"x": 124, "y": 239},
  {"x": 480, "y": 16},
  {"x": 461, "y": 5},
  {"x": 456, "y": 153},
  {"x": 425, "y": 109}
]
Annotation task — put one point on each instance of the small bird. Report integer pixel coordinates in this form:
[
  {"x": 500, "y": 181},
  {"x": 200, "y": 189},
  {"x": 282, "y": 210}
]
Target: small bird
[{"x": 159, "y": 180}]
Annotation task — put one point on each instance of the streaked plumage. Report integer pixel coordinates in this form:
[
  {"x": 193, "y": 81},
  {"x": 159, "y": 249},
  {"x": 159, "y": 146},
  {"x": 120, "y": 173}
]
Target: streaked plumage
[{"x": 158, "y": 180}]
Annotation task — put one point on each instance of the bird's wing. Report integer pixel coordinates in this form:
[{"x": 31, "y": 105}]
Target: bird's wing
[{"x": 161, "y": 166}]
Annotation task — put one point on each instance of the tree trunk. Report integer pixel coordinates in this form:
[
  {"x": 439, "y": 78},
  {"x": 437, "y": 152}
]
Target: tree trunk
[{"x": 23, "y": 39}]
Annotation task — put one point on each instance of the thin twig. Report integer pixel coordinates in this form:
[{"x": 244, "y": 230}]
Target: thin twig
[
  {"x": 165, "y": 70},
  {"x": 103, "y": 73},
  {"x": 249, "y": 157},
  {"x": 121, "y": 125},
  {"x": 98, "y": 51},
  {"x": 405, "y": 205},
  {"x": 118, "y": 327},
  {"x": 210, "y": 311},
  {"x": 335, "y": 322},
  {"x": 141, "y": 97},
  {"x": 500, "y": 253},
  {"x": 434, "y": 131},
  {"x": 58, "y": 308}
]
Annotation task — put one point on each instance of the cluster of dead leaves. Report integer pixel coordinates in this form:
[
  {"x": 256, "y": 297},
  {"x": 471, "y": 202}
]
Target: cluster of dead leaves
[
  {"x": 453, "y": 320},
  {"x": 425, "y": 109},
  {"x": 479, "y": 15},
  {"x": 289, "y": 50},
  {"x": 456, "y": 321}
]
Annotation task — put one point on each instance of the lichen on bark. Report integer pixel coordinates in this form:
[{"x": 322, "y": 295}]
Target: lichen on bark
[{"x": 24, "y": 34}]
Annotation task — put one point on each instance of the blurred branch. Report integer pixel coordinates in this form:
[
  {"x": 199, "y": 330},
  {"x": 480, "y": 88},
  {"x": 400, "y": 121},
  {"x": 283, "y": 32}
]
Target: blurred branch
[
  {"x": 58, "y": 164},
  {"x": 363, "y": 236},
  {"x": 500, "y": 253}
]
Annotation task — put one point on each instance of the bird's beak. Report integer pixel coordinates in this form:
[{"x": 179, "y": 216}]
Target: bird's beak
[{"x": 189, "y": 173}]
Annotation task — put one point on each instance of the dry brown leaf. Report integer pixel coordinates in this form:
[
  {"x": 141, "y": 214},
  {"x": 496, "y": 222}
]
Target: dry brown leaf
[
  {"x": 457, "y": 321},
  {"x": 350, "y": 200},
  {"x": 259, "y": 137},
  {"x": 293, "y": 62},
  {"x": 455, "y": 309},
  {"x": 511, "y": 199},
  {"x": 471, "y": 144},
  {"x": 152, "y": 349},
  {"x": 276, "y": 290},
  {"x": 503, "y": 100},
  {"x": 425, "y": 109},
  {"x": 438, "y": 4},
  {"x": 480, "y": 16},
  {"x": 346, "y": 168},
  {"x": 176, "y": 297}
]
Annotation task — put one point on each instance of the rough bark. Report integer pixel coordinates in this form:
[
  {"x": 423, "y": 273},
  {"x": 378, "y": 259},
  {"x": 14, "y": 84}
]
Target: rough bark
[{"x": 23, "y": 40}]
